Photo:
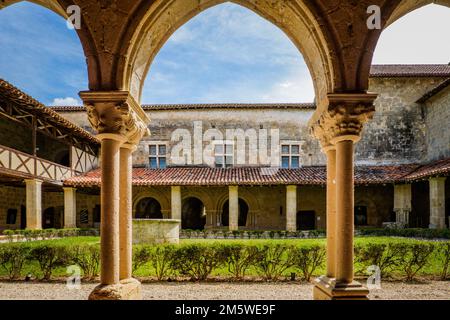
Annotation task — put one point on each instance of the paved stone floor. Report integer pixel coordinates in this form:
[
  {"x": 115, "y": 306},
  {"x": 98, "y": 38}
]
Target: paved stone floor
[{"x": 222, "y": 291}]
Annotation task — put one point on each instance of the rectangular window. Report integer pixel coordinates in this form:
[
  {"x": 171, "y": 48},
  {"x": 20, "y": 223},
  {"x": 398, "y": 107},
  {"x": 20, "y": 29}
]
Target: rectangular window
[
  {"x": 158, "y": 156},
  {"x": 224, "y": 154},
  {"x": 290, "y": 156}
]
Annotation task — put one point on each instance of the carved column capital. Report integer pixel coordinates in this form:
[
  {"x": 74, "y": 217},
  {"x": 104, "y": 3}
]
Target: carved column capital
[
  {"x": 344, "y": 118},
  {"x": 116, "y": 112}
]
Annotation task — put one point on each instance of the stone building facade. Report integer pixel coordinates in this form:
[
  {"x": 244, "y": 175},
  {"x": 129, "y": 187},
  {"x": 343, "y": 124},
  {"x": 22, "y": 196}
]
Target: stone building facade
[{"x": 258, "y": 167}]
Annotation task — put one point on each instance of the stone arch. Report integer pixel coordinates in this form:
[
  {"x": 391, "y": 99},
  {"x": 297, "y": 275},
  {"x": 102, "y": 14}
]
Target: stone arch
[
  {"x": 193, "y": 213},
  {"x": 407, "y": 6},
  {"x": 151, "y": 193},
  {"x": 201, "y": 195},
  {"x": 84, "y": 35},
  {"x": 158, "y": 21},
  {"x": 151, "y": 209},
  {"x": 391, "y": 12},
  {"x": 247, "y": 196},
  {"x": 49, "y": 4}
]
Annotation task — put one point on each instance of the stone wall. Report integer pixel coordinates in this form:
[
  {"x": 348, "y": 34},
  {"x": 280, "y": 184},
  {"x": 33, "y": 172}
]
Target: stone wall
[
  {"x": 11, "y": 198},
  {"x": 437, "y": 111},
  {"x": 399, "y": 132}
]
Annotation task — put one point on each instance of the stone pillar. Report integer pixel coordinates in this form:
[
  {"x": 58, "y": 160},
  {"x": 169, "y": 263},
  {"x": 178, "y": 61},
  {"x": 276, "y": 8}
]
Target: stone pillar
[
  {"x": 125, "y": 216},
  {"x": 176, "y": 202},
  {"x": 110, "y": 208},
  {"x": 34, "y": 204},
  {"x": 165, "y": 213},
  {"x": 402, "y": 204},
  {"x": 437, "y": 203},
  {"x": 233, "y": 208},
  {"x": 344, "y": 210},
  {"x": 331, "y": 211},
  {"x": 70, "y": 208},
  {"x": 120, "y": 121},
  {"x": 211, "y": 219},
  {"x": 291, "y": 208},
  {"x": 341, "y": 126}
]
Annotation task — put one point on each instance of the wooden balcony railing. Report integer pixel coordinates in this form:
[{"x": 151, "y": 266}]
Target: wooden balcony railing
[{"x": 23, "y": 165}]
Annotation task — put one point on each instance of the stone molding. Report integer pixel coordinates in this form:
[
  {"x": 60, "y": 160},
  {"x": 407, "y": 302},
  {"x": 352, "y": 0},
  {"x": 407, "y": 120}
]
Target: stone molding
[
  {"x": 116, "y": 112},
  {"x": 344, "y": 119}
]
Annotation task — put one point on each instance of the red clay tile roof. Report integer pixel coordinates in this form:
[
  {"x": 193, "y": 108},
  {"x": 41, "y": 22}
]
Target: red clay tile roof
[
  {"x": 164, "y": 107},
  {"x": 22, "y": 100},
  {"x": 205, "y": 176},
  {"x": 410, "y": 70},
  {"x": 441, "y": 167}
]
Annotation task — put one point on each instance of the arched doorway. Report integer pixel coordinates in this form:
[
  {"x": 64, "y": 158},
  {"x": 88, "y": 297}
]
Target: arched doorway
[
  {"x": 148, "y": 208},
  {"x": 243, "y": 213},
  {"x": 48, "y": 218},
  {"x": 193, "y": 214}
]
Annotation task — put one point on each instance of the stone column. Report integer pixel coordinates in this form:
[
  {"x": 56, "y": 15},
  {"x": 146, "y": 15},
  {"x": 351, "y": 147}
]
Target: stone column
[
  {"x": 125, "y": 216},
  {"x": 119, "y": 120},
  {"x": 176, "y": 202},
  {"x": 437, "y": 203},
  {"x": 70, "y": 207},
  {"x": 34, "y": 204},
  {"x": 233, "y": 208},
  {"x": 291, "y": 208},
  {"x": 341, "y": 126},
  {"x": 402, "y": 204},
  {"x": 110, "y": 208},
  {"x": 211, "y": 219},
  {"x": 165, "y": 213},
  {"x": 331, "y": 211},
  {"x": 344, "y": 210}
]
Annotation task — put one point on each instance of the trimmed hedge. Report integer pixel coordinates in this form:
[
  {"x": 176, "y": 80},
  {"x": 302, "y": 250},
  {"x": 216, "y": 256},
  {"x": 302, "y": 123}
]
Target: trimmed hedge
[
  {"x": 30, "y": 235},
  {"x": 407, "y": 233},
  {"x": 197, "y": 261}
]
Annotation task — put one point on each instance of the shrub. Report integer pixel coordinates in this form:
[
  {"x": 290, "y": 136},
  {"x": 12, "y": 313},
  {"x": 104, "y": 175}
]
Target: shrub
[
  {"x": 12, "y": 259},
  {"x": 408, "y": 232},
  {"x": 273, "y": 260},
  {"x": 384, "y": 256},
  {"x": 87, "y": 257},
  {"x": 49, "y": 258},
  {"x": 161, "y": 260},
  {"x": 196, "y": 261},
  {"x": 444, "y": 255},
  {"x": 9, "y": 235},
  {"x": 308, "y": 259},
  {"x": 141, "y": 255},
  {"x": 239, "y": 258},
  {"x": 415, "y": 257}
]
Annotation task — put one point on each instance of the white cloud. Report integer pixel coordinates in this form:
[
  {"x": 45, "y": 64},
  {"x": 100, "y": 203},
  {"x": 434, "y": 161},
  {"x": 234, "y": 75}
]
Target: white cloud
[{"x": 69, "y": 101}]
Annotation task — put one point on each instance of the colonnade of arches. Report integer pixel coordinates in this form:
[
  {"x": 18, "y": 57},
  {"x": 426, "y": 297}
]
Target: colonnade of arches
[{"x": 120, "y": 42}]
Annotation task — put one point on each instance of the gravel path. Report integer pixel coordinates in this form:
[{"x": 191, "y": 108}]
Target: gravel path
[{"x": 221, "y": 291}]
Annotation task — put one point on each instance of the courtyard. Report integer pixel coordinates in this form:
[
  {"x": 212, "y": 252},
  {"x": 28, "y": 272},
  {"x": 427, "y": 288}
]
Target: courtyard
[
  {"x": 224, "y": 150},
  {"x": 426, "y": 290}
]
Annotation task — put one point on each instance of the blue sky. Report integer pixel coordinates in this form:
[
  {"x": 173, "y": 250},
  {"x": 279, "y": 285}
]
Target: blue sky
[{"x": 225, "y": 54}]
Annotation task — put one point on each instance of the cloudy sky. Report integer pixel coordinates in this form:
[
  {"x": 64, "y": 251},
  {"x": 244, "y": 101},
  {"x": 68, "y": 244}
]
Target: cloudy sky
[{"x": 226, "y": 54}]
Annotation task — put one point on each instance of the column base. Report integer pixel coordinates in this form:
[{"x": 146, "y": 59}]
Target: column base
[
  {"x": 128, "y": 289},
  {"x": 327, "y": 289}
]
